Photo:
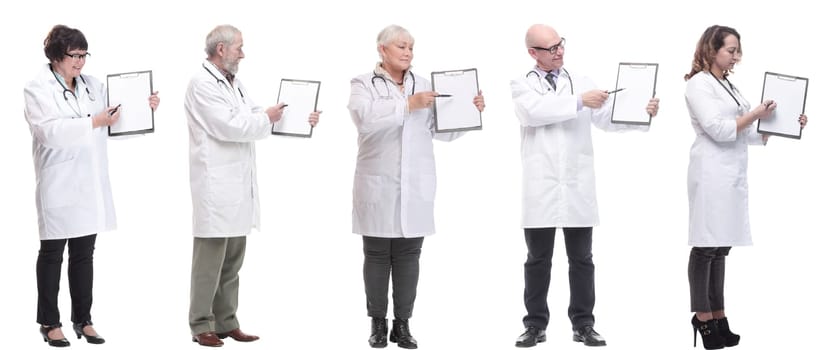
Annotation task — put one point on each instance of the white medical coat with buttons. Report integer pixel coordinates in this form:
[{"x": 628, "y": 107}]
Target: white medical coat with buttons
[
  {"x": 395, "y": 173},
  {"x": 72, "y": 192},
  {"x": 223, "y": 123},
  {"x": 556, "y": 149},
  {"x": 717, "y": 172}
]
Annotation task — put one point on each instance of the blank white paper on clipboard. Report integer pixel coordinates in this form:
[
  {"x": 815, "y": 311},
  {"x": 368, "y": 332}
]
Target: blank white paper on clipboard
[
  {"x": 131, "y": 91},
  {"x": 639, "y": 83},
  {"x": 456, "y": 112},
  {"x": 789, "y": 93},
  {"x": 301, "y": 98}
]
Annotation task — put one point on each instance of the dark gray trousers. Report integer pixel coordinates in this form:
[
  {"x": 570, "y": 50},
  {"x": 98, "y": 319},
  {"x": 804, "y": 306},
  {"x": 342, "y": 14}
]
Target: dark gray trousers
[
  {"x": 401, "y": 255},
  {"x": 706, "y": 275},
  {"x": 540, "y": 243}
]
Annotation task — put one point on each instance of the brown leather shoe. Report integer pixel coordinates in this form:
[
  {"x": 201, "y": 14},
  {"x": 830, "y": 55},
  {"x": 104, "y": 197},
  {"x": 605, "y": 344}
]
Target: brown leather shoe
[
  {"x": 207, "y": 339},
  {"x": 238, "y": 335}
]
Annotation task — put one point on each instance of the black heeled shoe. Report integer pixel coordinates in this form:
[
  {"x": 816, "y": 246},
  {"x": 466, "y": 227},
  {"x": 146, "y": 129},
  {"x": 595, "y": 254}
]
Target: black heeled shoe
[
  {"x": 709, "y": 332},
  {"x": 731, "y": 339},
  {"x": 44, "y": 331},
  {"x": 79, "y": 331}
]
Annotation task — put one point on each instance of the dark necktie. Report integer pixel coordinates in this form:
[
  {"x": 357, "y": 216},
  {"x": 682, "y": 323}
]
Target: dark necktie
[{"x": 551, "y": 79}]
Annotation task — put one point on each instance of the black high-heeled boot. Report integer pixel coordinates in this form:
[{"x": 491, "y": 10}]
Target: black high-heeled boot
[
  {"x": 79, "y": 331},
  {"x": 44, "y": 331},
  {"x": 709, "y": 331},
  {"x": 378, "y": 333},
  {"x": 401, "y": 334},
  {"x": 731, "y": 339}
]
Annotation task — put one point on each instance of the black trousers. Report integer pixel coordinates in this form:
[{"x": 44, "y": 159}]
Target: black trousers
[
  {"x": 48, "y": 270},
  {"x": 706, "y": 276},
  {"x": 540, "y": 243},
  {"x": 401, "y": 255}
]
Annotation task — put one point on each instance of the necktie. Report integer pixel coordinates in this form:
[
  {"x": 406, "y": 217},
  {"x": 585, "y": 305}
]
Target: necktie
[{"x": 551, "y": 79}]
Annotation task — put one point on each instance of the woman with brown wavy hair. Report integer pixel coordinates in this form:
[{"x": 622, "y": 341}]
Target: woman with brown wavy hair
[{"x": 717, "y": 182}]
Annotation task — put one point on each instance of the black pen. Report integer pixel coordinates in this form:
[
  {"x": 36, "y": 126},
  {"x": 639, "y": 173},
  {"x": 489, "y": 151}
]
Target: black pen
[
  {"x": 114, "y": 110},
  {"x": 614, "y": 91},
  {"x": 443, "y": 95}
]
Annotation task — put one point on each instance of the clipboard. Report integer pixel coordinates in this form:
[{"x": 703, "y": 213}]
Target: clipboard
[
  {"x": 131, "y": 90},
  {"x": 638, "y": 81},
  {"x": 301, "y": 98},
  {"x": 456, "y": 112},
  {"x": 789, "y": 92}
]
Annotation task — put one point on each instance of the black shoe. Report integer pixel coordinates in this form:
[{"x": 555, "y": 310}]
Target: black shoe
[
  {"x": 378, "y": 333},
  {"x": 531, "y": 337},
  {"x": 401, "y": 334},
  {"x": 79, "y": 331},
  {"x": 731, "y": 339},
  {"x": 588, "y": 336},
  {"x": 44, "y": 331},
  {"x": 709, "y": 331}
]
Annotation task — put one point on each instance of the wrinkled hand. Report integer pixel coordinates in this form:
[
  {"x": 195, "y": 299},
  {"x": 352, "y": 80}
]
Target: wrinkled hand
[
  {"x": 653, "y": 107},
  {"x": 275, "y": 112},
  {"x": 764, "y": 109},
  {"x": 594, "y": 98},
  {"x": 421, "y": 100},
  {"x": 314, "y": 117},
  {"x": 105, "y": 119},
  {"x": 479, "y": 101},
  {"x": 803, "y": 120},
  {"x": 154, "y": 100}
]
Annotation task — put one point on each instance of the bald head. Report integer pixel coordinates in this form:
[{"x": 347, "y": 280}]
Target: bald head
[{"x": 540, "y": 35}]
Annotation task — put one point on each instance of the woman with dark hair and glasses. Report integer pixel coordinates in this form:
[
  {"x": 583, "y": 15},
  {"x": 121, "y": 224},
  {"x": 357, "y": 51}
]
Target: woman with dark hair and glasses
[
  {"x": 717, "y": 182},
  {"x": 68, "y": 116}
]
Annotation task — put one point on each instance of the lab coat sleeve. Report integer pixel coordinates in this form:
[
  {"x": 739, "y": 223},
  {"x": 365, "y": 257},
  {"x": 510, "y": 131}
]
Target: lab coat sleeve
[
  {"x": 752, "y": 137},
  {"x": 47, "y": 125},
  {"x": 534, "y": 109},
  {"x": 221, "y": 121},
  {"x": 703, "y": 107},
  {"x": 370, "y": 114}
]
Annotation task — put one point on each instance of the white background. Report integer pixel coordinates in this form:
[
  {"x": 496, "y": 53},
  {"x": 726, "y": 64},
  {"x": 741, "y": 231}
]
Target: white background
[{"x": 301, "y": 285}]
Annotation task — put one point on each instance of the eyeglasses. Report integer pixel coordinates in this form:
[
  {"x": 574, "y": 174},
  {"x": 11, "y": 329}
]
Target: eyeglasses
[
  {"x": 554, "y": 48},
  {"x": 78, "y": 56}
]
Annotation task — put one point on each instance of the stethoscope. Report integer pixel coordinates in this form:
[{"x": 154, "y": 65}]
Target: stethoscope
[
  {"x": 376, "y": 76},
  {"x": 739, "y": 105},
  {"x": 542, "y": 90},
  {"x": 223, "y": 82},
  {"x": 77, "y": 108}
]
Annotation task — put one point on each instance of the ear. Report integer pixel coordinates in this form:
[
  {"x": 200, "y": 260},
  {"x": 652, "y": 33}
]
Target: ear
[
  {"x": 533, "y": 53},
  {"x": 221, "y": 49}
]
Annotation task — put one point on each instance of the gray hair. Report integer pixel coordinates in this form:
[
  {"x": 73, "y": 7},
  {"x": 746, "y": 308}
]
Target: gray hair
[
  {"x": 393, "y": 32},
  {"x": 221, "y": 34}
]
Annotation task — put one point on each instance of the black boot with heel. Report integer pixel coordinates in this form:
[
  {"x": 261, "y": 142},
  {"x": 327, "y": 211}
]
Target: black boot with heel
[
  {"x": 731, "y": 339},
  {"x": 401, "y": 334},
  {"x": 44, "y": 331},
  {"x": 378, "y": 333},
  {"x": 709, "y": 332},
  {"x": 79, "y": 331}
]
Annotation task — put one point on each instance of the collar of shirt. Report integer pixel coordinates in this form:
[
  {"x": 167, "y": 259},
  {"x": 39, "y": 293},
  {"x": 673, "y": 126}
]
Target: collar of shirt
[
  {"x": 383, "y": 73},
  {"x": 543, "y": 73},
  {"x": 226, "y": 75}
]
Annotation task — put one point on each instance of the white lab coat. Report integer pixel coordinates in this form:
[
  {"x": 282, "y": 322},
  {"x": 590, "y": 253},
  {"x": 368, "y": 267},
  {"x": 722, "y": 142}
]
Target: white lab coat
[
  {"x": 223, "y": 123},
  {"x": 717, "y": 180},
  {"x": 395, "y": 173},
  {"x": 72, "y": 194},
  {"x": 556, "y": 147}
]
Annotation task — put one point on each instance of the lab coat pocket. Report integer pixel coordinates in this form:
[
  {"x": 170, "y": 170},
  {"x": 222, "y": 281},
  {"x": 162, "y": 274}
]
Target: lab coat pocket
[
  {"x": 226, "y": 185},
  {"x": 367, "y": 188},
  {"x": 59, "y": 185}
]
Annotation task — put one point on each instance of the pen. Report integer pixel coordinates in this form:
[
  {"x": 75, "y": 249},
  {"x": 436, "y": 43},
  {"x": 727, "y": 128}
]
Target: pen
[
  {"x": 443, "y": 95},
  {"x": 614, "y": 91},
  {"x": 114, "y": 110}
]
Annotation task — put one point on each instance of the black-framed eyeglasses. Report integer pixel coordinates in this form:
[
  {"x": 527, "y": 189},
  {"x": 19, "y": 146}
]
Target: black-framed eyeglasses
[
  {"x": 78, "y": 56},
  {"x": 554, "y": 48}
]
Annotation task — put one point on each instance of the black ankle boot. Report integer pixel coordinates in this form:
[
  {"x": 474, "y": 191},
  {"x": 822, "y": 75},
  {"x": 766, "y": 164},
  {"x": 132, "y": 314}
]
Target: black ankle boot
[
  {"x": 731, "y": 339},
  {"x": 709, "y": 332},
  {"x": 378, "y": 332},
  {"x": 401, "y": 334}
]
